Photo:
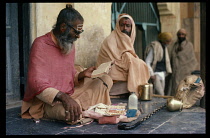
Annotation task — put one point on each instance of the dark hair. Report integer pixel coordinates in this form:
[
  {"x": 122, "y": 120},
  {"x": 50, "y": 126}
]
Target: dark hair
[{"x": 67, "y": 15}]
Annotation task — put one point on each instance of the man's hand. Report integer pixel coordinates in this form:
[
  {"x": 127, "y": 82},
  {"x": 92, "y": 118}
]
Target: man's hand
[
  {"x": 153, "y": 79},
  {"x": 72, "y": 108},
  {"x": 86, "y": 73}
]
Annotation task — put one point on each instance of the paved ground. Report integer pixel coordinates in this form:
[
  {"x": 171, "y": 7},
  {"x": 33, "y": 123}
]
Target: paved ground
[{"x": 188, "y": 121}]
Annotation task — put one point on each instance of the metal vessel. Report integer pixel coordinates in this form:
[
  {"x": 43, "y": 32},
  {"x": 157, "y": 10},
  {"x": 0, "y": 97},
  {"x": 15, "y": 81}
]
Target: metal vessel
[
  {"x": 146, "y": 91},
  {"x": 174, "y": 104}
]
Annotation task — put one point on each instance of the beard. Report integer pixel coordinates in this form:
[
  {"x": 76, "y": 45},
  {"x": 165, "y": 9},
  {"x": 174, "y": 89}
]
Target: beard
[
  {"x": 181, "y": 39},
  {"x": 65, "y": 41},
  {"x": 126, "y": 32}
]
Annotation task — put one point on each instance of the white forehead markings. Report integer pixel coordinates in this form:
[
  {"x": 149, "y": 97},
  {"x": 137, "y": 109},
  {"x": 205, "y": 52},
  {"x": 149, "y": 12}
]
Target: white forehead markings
[{"x": 79, "y": 26}]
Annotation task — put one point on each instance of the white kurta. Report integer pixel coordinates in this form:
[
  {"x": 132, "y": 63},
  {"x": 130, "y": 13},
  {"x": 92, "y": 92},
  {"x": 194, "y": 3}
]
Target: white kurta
[{"x": 160, "y": 76}]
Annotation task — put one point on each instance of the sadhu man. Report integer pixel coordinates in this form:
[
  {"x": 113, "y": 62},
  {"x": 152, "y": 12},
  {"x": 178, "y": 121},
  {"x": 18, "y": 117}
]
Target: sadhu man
[
  {"x": 118, "y": 47},
  {"x": 183, "y": 61},
  {"x": 55, "y": 90}
]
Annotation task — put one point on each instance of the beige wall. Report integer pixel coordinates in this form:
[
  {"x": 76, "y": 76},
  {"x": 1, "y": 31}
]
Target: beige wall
[
  {"x": 170, "y": 19},
  {"x": 43, "y": 17},
  {"x": 97, "y": 25}
]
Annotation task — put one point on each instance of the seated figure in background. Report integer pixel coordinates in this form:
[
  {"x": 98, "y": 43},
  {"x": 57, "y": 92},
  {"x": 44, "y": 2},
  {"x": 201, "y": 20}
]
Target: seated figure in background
[{"x": 118, "y": 47}]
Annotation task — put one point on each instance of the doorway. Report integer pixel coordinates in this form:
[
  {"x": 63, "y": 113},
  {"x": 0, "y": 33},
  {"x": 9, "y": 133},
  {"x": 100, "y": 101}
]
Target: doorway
[{"x": 17, "y": 50}]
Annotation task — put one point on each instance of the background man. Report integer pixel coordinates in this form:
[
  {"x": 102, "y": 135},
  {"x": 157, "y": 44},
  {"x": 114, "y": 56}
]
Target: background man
[
  {"x": 158, "y": 61},
  {"x": 55, "y": 89},
  {"x": 183, "y": 61},
  {"x": 118, "y": 46}
]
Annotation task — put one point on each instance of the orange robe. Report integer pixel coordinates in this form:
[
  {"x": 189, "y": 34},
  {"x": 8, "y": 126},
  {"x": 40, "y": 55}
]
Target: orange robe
[{"x": 128, "y": 66}]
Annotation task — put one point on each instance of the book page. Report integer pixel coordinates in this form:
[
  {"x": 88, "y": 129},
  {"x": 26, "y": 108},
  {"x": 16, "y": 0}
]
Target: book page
[{"x": 103, "y": 68}]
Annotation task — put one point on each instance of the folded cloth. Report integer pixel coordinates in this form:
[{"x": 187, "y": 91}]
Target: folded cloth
[
  {"x": 117, "y": 119},
  {"x": 126, "y": 119},
  {"x": 82, "y": 121},
  {"x": 108, "y": 120},
  {"x": 91, "y": 114},
  {"x": 190, "y": 90},
  {"x": 131, "y": 113}
]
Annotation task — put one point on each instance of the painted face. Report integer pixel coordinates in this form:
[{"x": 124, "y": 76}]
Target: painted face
[
  {"x": 125, "y": 26},
  {"x": 69, "y": 35},
  {"x": 73, "y": 31},
  {"x": 76, "y": 29},
  {"x": 79, "y": 28}
]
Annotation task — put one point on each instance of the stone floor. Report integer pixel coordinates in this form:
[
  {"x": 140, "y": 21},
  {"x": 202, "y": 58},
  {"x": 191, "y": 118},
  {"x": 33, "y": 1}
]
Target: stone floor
[{"x": 188, "y": 121}]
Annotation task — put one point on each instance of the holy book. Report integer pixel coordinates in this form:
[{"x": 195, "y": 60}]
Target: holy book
[{"x": 102, "y": 69}]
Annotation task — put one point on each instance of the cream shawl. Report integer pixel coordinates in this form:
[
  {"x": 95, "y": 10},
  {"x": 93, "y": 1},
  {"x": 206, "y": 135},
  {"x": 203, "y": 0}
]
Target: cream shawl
[
  {"x": 182, "y": 63},
  {"x": 158, "y": 55},
  {"x": 128, "y": 67}
]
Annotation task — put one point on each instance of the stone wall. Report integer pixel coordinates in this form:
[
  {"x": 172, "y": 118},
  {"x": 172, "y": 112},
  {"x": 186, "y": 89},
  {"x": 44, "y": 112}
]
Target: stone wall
[
  {"x": 97, "y": 26},
  {"x": 170, "y": 19},
  {"x": 42, "y": 17}
]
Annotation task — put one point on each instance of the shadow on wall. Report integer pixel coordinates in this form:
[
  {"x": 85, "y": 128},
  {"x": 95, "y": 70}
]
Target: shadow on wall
[{"x": 88, "y": 46}]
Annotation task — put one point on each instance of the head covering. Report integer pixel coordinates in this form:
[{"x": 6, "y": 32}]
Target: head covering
[
  {"x": 117, "y": 43},
  {"x": 165, "y": 36},
  {"x": 133, "y": 30}
]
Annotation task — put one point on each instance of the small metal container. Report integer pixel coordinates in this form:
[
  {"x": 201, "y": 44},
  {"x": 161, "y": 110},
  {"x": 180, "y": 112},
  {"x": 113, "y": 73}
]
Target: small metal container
[
  {"x": 151, "y": 90},
  {"x": 174, "y": 104},
  {"x": 146, "y": 92}
]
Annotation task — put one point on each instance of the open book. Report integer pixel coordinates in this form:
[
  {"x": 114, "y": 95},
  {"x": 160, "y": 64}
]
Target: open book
[{"x": 102, "y": 69}]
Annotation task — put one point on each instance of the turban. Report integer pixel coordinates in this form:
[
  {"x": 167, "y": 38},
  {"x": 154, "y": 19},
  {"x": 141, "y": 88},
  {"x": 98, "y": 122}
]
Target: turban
[
  {"x": 163, "y": 37},
  {"x": 182, "y": 31}
]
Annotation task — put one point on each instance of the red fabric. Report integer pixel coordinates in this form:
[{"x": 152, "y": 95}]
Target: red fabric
[
  {"x": 48, "y": 67},
  {"x": 108, "y": 120}
]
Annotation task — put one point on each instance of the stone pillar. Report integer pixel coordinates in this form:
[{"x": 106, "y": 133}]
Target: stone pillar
[
  {"x": 190, "y": 20},
  {"x": 170, "y": 19}
]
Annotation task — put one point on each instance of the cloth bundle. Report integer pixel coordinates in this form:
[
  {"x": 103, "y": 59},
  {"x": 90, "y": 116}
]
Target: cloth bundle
[
  {"x": 111, "y": 114},
  {"x": 190, "y": 90}
]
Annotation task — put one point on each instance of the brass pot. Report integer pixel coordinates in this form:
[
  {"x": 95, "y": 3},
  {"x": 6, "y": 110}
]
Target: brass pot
[
  {"x": 174, "y": 104},
  {"x": 146, "y": 92}
]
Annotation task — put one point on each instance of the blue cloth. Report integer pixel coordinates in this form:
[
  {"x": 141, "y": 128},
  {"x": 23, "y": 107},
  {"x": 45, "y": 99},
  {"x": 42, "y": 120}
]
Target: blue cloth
[{"x": 131, "y": 113}]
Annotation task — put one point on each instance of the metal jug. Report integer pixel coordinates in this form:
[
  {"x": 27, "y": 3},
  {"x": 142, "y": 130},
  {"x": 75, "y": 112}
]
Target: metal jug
[{"x": 174, "y": 104}]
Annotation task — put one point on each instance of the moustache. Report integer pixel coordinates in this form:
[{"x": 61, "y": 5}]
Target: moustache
[
  {"x": 126, "y": 32},
  {"x": 181, "y": 39},
  {"x": 68, "y": 39}
]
